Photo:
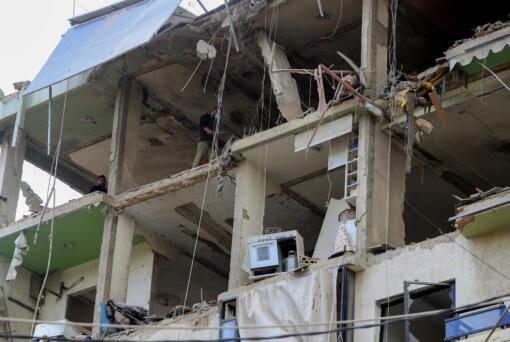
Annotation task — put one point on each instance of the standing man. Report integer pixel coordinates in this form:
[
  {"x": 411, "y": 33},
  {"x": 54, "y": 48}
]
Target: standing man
[
  {"x": 101, "y": 185},
  {"x": 206, "y": 132}
]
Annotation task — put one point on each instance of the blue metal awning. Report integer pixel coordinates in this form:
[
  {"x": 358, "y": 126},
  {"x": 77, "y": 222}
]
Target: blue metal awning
[{"x": 102, "y": 39}]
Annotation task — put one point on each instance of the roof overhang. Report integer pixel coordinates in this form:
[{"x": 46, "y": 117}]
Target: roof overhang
[
  {"x": 490, "y": 50},
  {"x": 484, "y": 216},
  {"x": 102, "y": 38}
]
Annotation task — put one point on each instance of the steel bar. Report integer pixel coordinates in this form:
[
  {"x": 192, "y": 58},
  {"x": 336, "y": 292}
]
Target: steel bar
[{"x": 50, "y": 100}]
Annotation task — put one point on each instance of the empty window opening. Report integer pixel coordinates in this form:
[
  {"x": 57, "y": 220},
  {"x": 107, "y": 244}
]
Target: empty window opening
[
  {"x": 170, "y": 278},
  {"x": 430, "y": 297},
  {"x": 424, "y": 32},
  {"x": 428, "y": 204}
]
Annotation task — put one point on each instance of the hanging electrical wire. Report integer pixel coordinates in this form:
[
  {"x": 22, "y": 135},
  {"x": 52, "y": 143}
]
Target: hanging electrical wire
[
  {"x": 50, "y": 194},
  {"x": 380, "y": 321},
  {"x": 213, "y": 155}
]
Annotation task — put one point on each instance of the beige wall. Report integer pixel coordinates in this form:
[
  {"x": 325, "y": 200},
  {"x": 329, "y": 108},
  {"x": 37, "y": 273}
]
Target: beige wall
[
  {"x": 139, "y": 283},
  {"x": 434, "y": 260}
]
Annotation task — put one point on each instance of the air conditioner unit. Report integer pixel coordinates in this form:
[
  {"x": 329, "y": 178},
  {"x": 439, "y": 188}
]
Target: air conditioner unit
[{"x": 271, "y": 254}]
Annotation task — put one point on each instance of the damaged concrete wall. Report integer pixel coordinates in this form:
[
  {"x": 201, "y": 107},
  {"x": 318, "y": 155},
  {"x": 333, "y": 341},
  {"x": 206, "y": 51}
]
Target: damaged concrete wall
[
  {"x": 205, "y": 317},
  {"x": 371, "y": 203},
  {"x": 376, "y": 234},
  {"x": 20, "y": 290},
  {"x": 435, "y": 260},
  {"x": 139, "y": 283},
  {"x": 284, "y": 85}
]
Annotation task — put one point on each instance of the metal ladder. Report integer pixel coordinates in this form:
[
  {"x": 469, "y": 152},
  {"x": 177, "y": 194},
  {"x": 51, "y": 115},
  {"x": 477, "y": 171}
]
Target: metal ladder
[{"x": 351, "y": 169}]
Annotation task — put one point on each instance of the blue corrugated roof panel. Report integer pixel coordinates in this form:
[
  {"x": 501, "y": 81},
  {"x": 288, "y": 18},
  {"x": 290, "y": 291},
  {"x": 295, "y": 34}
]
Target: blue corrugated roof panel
[{"x": 99, "y": 40}]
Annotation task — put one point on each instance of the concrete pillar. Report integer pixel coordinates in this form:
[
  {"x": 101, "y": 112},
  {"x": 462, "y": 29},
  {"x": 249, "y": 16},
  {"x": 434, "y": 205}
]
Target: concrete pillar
[
  {"x": 372, "y": 213},
  {"x": 124, "y": 145},
  {"x": 251, "y": 192},
  {"x": 121, "y": 256},
  {"x": 284, "y": 85},
  {"x": 11, "y": 169},
  {"x": 118, "y": 231},
  {"x": 374, "y": 44}
]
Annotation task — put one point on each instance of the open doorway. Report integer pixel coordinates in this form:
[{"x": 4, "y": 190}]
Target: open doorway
[
  {"x": 80, "y": 306},
  {"x": 430, "y": 329}
]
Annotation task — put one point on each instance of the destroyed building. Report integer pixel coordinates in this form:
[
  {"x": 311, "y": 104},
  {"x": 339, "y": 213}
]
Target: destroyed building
[{"x": 356, "y": 190}]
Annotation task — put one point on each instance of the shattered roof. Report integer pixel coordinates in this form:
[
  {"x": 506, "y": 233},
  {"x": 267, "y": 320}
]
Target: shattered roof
[{"x": 101, "y": 39}]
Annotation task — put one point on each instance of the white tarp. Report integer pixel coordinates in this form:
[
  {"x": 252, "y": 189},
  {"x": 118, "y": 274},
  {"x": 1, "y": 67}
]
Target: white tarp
[
  {"x": 295, "y": 300},
  {"x": 55, "y": 330},
  {"x": 20, "y": 250}
]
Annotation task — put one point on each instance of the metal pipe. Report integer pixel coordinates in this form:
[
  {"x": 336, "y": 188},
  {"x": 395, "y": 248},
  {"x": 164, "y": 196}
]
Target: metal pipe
[
  {"x": 202, "y": 5},
  {"x": 20, "y": 117},
  {"x": 232, "y": 29},
  {"x": 406, "y": 310},
  {"x": 479, "y": 210},
  {"x": 407, "y": 300},
  {"x": 341, "y": 72},
  {"x": 320, "y": 9},
  {"x": 49, "y": 119}
]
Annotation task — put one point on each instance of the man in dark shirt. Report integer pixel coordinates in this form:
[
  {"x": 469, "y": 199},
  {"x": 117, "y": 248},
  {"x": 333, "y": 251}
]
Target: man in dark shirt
[
  {"x": 101, "y": 185},
  {"x": 206, "y": 133}
]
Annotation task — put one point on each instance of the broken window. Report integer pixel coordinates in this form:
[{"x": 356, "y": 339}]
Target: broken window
[
  {"x": 427, "y": 298},
  {"x": 228, "y": 318}
]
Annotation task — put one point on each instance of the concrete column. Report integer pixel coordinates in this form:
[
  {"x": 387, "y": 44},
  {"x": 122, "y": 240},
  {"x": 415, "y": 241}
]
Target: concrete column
[
  {"x": 121, "y": 256},
  {"x": 378, "y": 224},
  {"x": 250, "y": 195},
  {"x": 113, "y": 272},
  {"x": 11, "y": 169},
  {"x": 124, "y": 145},
  {"x": 372, "y": 213},
  {"x": 284, "y": 85},
  {"x": 374, "y": 44}
]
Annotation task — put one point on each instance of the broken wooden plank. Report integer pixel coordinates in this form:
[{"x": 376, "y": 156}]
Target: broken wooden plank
[{"x": 437, "y": 105}]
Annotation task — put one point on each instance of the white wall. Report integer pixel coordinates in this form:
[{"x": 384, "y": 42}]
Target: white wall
[
  {"x": 19, "y": 290},
  {"x": 139, "y": 283},
  {"x": 434, "y": 260},
  {"x": 140, "y": 276}
]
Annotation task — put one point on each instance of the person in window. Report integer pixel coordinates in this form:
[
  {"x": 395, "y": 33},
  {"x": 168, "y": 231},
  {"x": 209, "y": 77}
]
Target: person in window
[
  {"x": 205, "y": 137},
  {"x": 101, "y": 185}
]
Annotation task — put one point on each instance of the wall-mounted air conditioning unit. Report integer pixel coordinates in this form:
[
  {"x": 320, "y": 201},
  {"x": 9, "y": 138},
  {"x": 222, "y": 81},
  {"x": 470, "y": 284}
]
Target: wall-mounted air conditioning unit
[{"x": 271, "y": 254}]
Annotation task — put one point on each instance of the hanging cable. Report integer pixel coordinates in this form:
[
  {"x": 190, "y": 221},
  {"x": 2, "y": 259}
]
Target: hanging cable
[
  {"x": 213, "y": 154},
  {"x": 51, "y": 193},
  {"x": 381, "y": 321},
  {"x": 337, "y": 22}
]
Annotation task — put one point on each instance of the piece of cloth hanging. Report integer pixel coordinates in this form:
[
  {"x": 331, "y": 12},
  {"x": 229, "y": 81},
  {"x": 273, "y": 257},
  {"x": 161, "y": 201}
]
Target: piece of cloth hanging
[
  {"x": 20, "y": 250},
  {"x": 295, "y": 300}
]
